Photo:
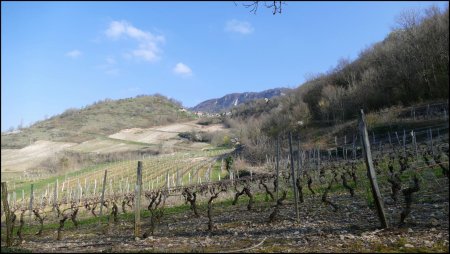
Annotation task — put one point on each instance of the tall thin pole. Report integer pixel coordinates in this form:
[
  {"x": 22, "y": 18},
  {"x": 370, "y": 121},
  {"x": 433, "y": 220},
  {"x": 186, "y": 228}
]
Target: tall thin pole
[
  {"x": 103, "y": 196},
  {"x": 299, "y": 173},
  {"x": 371, "y": 171},
  {"x": 294, "y": 184},
  {"x": 278, "y": 163},
  {"x": 7, "y": 215},
  {"x": 137, "y": 200},
  {"x": 31, "y": 201}
]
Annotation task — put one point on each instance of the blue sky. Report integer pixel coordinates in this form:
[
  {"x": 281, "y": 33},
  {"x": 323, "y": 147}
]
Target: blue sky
[{"x": 60, "y": 55}]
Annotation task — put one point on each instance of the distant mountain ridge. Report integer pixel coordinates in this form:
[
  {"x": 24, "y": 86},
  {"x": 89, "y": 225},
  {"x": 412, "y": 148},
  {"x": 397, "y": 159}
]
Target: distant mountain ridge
[{"x": 230, "y": 100}]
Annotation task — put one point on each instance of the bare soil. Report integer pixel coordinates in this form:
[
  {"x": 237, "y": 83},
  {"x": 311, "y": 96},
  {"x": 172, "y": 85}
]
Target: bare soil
[
  {"x": 158, "y": 134},
  {"x": 353, "y": 228},
  {"x": 17, "y": 160}
]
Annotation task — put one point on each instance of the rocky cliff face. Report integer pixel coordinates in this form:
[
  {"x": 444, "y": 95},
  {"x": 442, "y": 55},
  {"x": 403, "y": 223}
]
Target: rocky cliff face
[{"x": 230, "y": 100}]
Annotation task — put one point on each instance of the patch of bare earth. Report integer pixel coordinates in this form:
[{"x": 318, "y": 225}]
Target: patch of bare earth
[
  {"x": 353, "y": 228},
  {"x": 158, "y": 134},
  {"x": 18, "y": 160},
  {"x": 104, "y": 146}
]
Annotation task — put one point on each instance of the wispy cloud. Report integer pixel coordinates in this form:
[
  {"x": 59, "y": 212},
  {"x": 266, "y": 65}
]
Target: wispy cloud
[
  {"x": 236, "y": 26},
  {"x": 74, "y": 53},
  {"x": 148, "y": 44},
  {"x": 112, "y": 71},
  {"x": 110, "y": 60},
  {"x": 182, "y": 70},
  {"x": 109, "y": 67}
]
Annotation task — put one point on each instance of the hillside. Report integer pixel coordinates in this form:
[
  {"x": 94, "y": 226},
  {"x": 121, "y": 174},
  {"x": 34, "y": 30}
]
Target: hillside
[
  {"x": 99, "y": 120},
  {"x": 408, "y": 67},
  {"x": 228, "y": 101}
]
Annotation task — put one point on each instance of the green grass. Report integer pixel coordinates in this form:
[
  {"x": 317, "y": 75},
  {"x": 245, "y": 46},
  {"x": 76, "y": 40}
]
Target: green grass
[
  {"x": 216, "y": 171},
  {"x": 117, "y": 168},
  {"x": 14, "y": 250},
  {"x": 42, "y": 183},
  {"x": 398, "y": 247},
  {"x": 89, "y": 221}
]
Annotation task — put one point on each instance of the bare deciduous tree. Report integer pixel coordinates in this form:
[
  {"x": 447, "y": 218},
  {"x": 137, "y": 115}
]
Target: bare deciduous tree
[{"x": 276, "y": 6}]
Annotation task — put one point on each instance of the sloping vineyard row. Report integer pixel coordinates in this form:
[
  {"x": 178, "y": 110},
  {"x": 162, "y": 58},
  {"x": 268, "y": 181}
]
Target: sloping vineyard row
[
  {"x": 121, "y": 175},
  {"x": 407, "y": 172}
]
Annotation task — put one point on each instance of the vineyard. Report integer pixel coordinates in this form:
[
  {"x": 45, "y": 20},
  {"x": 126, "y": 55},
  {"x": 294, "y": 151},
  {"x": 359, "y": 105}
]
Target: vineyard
[{"x": 303, "y": 198}]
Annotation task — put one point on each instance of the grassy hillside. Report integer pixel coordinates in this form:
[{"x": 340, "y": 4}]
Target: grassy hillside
[{"x": 99, "y": 119}]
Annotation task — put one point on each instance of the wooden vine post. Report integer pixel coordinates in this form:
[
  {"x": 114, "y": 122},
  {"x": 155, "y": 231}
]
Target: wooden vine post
[
  {"x": 371, "y": 171},
  {"x": 277, "y": 164},
  {"x": 299, "y": 173},
  {"x": 137, "y": 201},
  {"x": 55, "y": 195},
  {"x": 7, "y": 215},
  {"x": 294, "y": 184},
  {"x": 103, "y": 196},
  {"x": 31, "y": 202}
]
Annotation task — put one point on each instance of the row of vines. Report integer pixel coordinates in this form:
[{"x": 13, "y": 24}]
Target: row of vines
[{"x": 407, "y": 164}]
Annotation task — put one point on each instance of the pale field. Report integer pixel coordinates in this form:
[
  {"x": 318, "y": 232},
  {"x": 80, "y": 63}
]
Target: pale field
[
  {"x": 165, "y": 138},
  {"x": 157, "y": 134},
  {"x": 16, "y": 160}
]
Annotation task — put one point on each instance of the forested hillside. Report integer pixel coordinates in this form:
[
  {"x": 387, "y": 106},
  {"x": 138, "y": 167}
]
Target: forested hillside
[{"x": 409, "y": 67}]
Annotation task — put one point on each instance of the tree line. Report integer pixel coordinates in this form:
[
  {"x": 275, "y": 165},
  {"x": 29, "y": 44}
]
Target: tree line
[{"x": 409, "y": 66}]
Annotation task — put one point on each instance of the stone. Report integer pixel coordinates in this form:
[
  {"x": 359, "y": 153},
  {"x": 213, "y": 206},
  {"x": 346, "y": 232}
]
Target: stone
[
  {"x": 408, "y": 245},
  {"x": 410, "y": 230},
  {"x": 428, "y": 244},
  {"x": 296, "y": 232},
  {"x": 434, "y": 222},
  {"x": 137, "y": 238},
  {"x": 350, "y": 236}
]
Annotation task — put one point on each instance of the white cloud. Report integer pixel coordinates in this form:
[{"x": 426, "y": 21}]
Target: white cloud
[
  {"x": 182, "y": 70},
  {"x": 74, "y": 53},
  {"x": 236, "y": 26},
  {"x": 148, "y": 43},
  {"x": 147, "y": 51},
  {"x": 116, "y": 28}
]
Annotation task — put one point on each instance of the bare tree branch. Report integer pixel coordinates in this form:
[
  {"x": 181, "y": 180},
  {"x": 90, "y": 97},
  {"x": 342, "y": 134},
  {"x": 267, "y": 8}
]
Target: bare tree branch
[{"x": 276, "y": 6}]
